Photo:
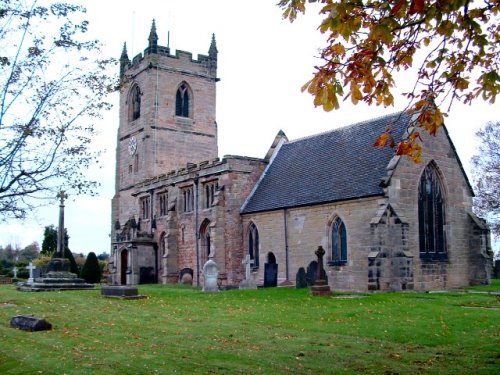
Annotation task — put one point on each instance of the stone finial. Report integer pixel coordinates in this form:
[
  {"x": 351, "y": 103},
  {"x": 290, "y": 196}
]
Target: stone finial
[
  {"x": 212, "y": 51},
  {"x": 153, "y": 39},
  {"x": 124, "y": 60}
]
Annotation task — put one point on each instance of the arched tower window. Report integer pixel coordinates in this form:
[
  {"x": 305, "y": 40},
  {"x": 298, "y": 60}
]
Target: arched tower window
[
  {"x": 339, "y": 243},
  {"x": 183, "y": 101},
  {"x": 431, "y": 215},
  {"x": 253, "y": 244},
  {"x": 134, "y": 103}
]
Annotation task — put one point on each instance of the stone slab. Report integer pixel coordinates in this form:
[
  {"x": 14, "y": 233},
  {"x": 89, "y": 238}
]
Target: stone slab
[
  {"x": 121, "y": 291},
  {"x": 30, "y": 323}
]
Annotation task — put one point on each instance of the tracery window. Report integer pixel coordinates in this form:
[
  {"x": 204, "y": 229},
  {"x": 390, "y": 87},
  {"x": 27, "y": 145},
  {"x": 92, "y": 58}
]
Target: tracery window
[
  {"x": 210, "y": 189},
  {"x": 135, "y": 103},
  {"x": 188, "y": 199},
  {"x": 162, "y": 204},
  {"x": 253, "y": 245},
  {"x": 339, "y": 243},
  {"x": 431, "y": 215},
  {"x": 182, "y": 101},
  {"x": 144, "y": 204}
]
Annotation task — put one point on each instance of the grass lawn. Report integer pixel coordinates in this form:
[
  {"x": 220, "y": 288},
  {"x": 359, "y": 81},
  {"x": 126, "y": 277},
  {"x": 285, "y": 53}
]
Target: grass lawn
[{"x": 180, "y": 330}]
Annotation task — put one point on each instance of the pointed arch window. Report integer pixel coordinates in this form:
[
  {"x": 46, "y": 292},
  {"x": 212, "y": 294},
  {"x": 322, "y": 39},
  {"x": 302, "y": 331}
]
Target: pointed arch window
[
  {"x": 135, "y": 103},
  {"x": 205, "y": 241},
  {"x": 431, "y": 215},
  {"x": 339, "y": 243},
  {"x": 182, "y": 101},
  {"x": 253, "y": 245}
]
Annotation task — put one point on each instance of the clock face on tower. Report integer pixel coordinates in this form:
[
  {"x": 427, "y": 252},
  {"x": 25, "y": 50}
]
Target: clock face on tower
[{"x": 132, "y": 146}]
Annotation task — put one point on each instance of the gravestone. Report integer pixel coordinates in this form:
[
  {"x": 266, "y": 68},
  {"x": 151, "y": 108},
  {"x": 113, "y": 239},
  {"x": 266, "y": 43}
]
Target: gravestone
[
  {"x": 210, "y": 277},
  {"x": 147, "y": 275},
  {"x": 270, "y": 275},
  {"x": 311, "y": 273},
  {"x": 248, "y": 283},
  {"x": 496, "y": 273},
  {"x": 186, "y": 276},
  {"x": 300, "y": 279},
  {"x": 14, "y": 270},
  {"x": 29, "y": 323}
]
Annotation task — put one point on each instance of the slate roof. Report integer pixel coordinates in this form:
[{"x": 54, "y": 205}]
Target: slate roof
[{"x": 337, "y": 165}]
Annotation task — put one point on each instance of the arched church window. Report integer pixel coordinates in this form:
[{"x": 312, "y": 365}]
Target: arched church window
[
  {"x": 431, "y": 215},
  {"x": 135, "y": 103},
  {"x": 182, "y": 101},
  {"x": 339, "y": 243},
  {"x": 253, "y": 245}
]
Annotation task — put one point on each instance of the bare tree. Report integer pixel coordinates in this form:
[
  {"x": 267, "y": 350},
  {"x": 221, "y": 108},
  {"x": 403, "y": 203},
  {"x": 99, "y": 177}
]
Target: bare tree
[
  {"x": 53, "y": 86},
  {"x": 486, "y": 175}
]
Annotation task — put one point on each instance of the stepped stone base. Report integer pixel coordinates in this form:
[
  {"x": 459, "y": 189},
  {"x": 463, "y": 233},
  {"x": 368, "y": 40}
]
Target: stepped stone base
[
  {"x": 321, "y": 288},
  {"x": 58, "y": 278}
]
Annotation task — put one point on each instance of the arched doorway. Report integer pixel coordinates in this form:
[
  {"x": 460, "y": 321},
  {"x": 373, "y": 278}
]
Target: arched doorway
[{"x": 123, "y": 267}]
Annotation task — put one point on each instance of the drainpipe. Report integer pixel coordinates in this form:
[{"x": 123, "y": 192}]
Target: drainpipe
[
  {"x": 285, "y": 212},
  {"x": 196, "y": 234}
]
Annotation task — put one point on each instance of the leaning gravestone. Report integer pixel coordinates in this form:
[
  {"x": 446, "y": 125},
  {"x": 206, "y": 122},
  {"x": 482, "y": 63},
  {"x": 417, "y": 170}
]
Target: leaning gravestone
[
  {"x": 210, "y": 277},
  {"x": 300, "y": 279},
  {"x": 30, "y": 323}
]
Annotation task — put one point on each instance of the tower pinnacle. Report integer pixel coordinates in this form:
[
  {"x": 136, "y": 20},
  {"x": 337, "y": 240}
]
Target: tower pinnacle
[{"x": 153, "y": 39}]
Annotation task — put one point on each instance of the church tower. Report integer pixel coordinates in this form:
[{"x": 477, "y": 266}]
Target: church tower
[{"x": 167, "y": 116}]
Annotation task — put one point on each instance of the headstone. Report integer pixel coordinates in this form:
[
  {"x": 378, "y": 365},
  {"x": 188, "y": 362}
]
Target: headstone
[
  {"x": 210, "y": 277},
  {"x": 31, "y": 267},
  {"x": 14, "y": 270},
  {"x": 186, "y": 276},
  {"x": 30, "y": 323},
  {"x": 496, "y": 274},
  {"x": 248, "y": 283},
  {"x": 270, "y": 275},
  {"x": 147, "y": 275},
  {"x": 300, "y": 279},
  {"x": 311, "y": 272}
]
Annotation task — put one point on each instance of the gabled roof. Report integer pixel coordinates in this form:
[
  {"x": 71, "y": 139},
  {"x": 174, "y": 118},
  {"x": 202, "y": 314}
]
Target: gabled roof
[{"x": 337, "y": 165}]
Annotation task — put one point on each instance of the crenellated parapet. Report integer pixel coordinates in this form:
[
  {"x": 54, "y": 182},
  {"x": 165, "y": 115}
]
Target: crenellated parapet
[{"x": 208, "y": 62}]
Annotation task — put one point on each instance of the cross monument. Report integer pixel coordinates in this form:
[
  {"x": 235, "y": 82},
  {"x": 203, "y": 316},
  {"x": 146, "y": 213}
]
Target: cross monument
[
  {"x": 31, "y": 267},
  {"x": 60, "y": 234}
]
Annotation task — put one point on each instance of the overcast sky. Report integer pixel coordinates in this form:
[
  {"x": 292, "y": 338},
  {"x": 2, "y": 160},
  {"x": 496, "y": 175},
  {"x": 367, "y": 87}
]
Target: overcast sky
[{"x": 263, "y": 62}]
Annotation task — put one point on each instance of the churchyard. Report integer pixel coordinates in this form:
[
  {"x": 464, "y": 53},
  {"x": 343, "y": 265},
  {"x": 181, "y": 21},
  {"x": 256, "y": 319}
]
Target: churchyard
[{"x": 179, "y": 329}]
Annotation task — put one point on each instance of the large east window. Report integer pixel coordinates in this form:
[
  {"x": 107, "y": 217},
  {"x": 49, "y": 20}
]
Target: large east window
[{"x": 431, "y": 215}]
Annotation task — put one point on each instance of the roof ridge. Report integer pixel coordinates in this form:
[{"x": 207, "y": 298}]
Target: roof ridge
[{"x": 360, "y": 123}]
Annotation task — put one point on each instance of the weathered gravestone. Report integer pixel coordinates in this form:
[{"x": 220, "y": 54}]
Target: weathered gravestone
[
  {"x": 186, "y": 276},
  {"x": 311, "y": 272},
  {"x": 496, "y": 274},
  {"x": 270, "y": 275},
  {"x": 30, "y": 323},
  {"x": 300, "y": 279},
  {"x": 210, "y": 277}
]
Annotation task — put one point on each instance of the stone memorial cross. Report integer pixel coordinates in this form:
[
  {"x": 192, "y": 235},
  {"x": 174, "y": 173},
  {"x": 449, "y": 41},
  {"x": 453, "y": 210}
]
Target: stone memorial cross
[
  {"x": 248, "y": 263},
  {"x": 31, "y": 267}
]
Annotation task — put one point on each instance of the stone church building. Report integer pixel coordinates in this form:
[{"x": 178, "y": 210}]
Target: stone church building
[{"x": 385, "y": 222}]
